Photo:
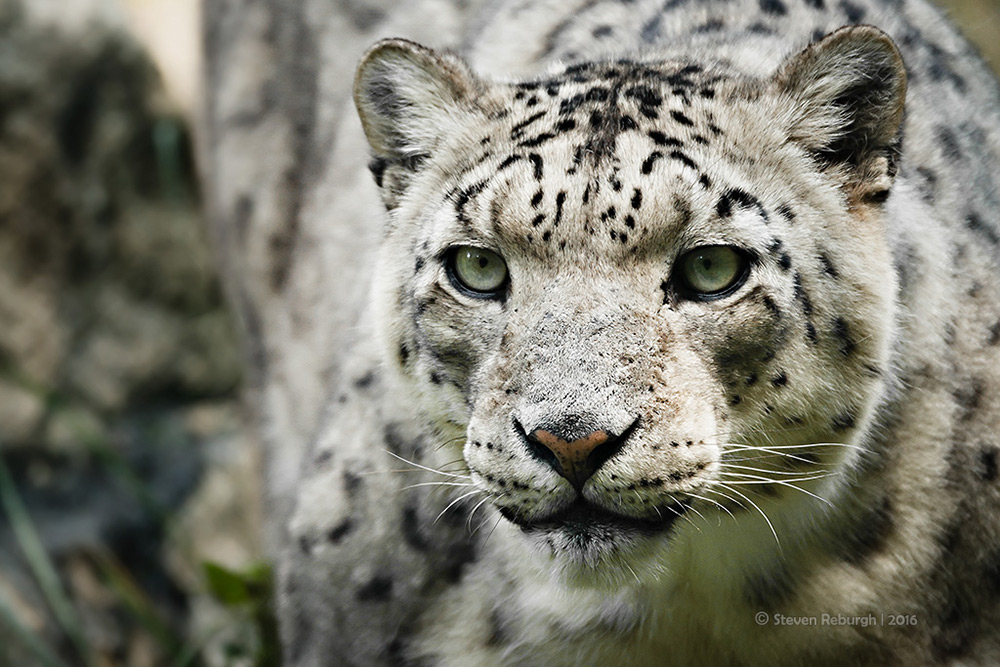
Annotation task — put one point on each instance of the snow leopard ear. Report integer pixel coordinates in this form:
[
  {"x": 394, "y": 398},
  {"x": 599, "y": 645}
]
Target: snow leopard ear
[
  {"x": 409, "y": 97},
  {"x": 848, "y": 91}
]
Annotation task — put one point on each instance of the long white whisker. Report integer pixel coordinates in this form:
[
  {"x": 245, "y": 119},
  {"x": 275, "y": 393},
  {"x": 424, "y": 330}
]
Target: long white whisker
[
  {"x": 714, "y": 502},
  {"x": 417, "y": 465},
  {"x": 758, "y": 479},
  {"x": 438, "y": 484},
  {"x": 468, "y": 523},
  {"x": 737, "y": 446},
  {"x": 454, "y": 502},
  {"x": 492, "y": 530},
  {"x": 727, "y": 465},
  {"x": 730, "y": 499},
  {"x": 756, "y": 507},
  {"x": 788, "y": 483}
]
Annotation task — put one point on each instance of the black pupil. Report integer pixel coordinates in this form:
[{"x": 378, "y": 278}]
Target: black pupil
[
  {"x": 483, "y": 262},
  {"x": 706, "y": 263}
]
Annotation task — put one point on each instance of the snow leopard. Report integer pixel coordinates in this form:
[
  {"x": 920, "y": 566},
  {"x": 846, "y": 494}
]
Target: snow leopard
[{"x": 682, "y": 347}]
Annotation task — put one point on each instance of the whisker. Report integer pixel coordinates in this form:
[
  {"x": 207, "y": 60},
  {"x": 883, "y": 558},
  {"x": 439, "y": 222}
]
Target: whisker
[
  {"x": 788, "y": 483},
  {"x": 468, "y": 523},
  {"x": 738, "y": 446},
  {"x": 631, "y": 570},
  {"x": 688, "y": 518},
  {"x": 758, "y": 479},
  {"x": 714, "y": 502},
  {"x": 728, "y": 465},
  {"x": 422, "y": 467},
  {"x": 492, "y": 530},
  {"x": 730, "y": 499},
  {"x": 756, "y": 507},
  {"x": 414, "y": 486},
  {"x": 453, "y": 503}
]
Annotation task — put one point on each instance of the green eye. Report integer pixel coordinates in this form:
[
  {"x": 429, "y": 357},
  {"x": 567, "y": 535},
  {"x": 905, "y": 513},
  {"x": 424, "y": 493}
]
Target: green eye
[
  {"x": 712, "y": 270},
  {"x": 477, "y": 271}
]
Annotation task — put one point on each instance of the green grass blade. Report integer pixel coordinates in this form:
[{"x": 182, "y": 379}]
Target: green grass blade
[
  {"x": 26, "y": 635},
  {"x": 41, "y": 566}
]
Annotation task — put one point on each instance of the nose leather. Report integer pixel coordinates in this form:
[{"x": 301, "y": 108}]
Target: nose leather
[{"x": 573, "y": 456}]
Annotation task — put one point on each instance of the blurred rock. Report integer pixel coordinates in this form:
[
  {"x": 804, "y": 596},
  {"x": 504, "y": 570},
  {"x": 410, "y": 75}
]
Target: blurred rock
[
  {"x": 119, "y": 361},
  {"x": 108, "y": 294}
]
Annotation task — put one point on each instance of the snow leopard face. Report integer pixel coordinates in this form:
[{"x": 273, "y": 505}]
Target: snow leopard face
[{"x": 648, "y": 298}]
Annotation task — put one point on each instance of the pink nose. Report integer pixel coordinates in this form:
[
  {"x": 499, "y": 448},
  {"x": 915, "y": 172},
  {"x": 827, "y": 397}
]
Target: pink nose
[{"x": 575, "y": 458}]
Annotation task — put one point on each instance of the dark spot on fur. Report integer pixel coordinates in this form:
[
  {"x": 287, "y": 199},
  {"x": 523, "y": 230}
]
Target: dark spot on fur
[
  {"x": 987, "y": 470},
  {"x": 710, "y": 26},
  {"x": 536, "y": 163},
  {"x": 994, "y": 337},
  {"x": 828, "y": 267},
  {"x": 661, "y": 139},
  {"x": 537, "y": 140},
  {"x": 969, "y": 398},
  {"x": 855, "y": 14},
  {"x": 843, "y": 333},
  {"x": 645, "y": 95},
  {"x": 723, "y": 208},
  {"x": 377, "y": 168},
  {"x": 780, "y": 380},
  {"x": 843, "y": 421},
  {"x": 352, "y": 482},
  {"x": 365, "y": 380},
  {"x": 566, "y": 125},
  {"x": 338, "y": 532},
  {"x": 647, "y": 165},
  {"x": 976, "y": 224},
  {"x": 771, "y": 306},
  {"x": 681, "y": 118},
  {"x": 378, "y": 589},
  {"x": 773, "y": 7},
  {"x": 509, "y": 161},
  {"x": 802, "y": 296},
  {"x": 411, "y": 530},
  {"x": 868, "y": 533},
  {"x": 688, "y": 162},
  {"x": 636, "y": 198},
  {"x": 770, "y": 588},
  {"x": 560, "y": 200},
  {"x": 518, "y": 130},
  {"x": 949, "y": 143}
]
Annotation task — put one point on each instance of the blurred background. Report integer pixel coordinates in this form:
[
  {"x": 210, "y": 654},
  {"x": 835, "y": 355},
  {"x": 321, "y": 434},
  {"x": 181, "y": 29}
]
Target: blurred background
[{"x": 130, "y": 519}]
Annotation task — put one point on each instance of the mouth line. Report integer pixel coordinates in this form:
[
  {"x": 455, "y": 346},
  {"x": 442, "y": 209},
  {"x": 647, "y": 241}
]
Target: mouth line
[{"x": 583, "y": 516}]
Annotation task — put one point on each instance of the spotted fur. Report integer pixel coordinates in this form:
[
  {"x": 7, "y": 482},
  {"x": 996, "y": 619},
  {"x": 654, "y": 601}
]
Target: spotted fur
[{"x": 818, "y": 442}]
